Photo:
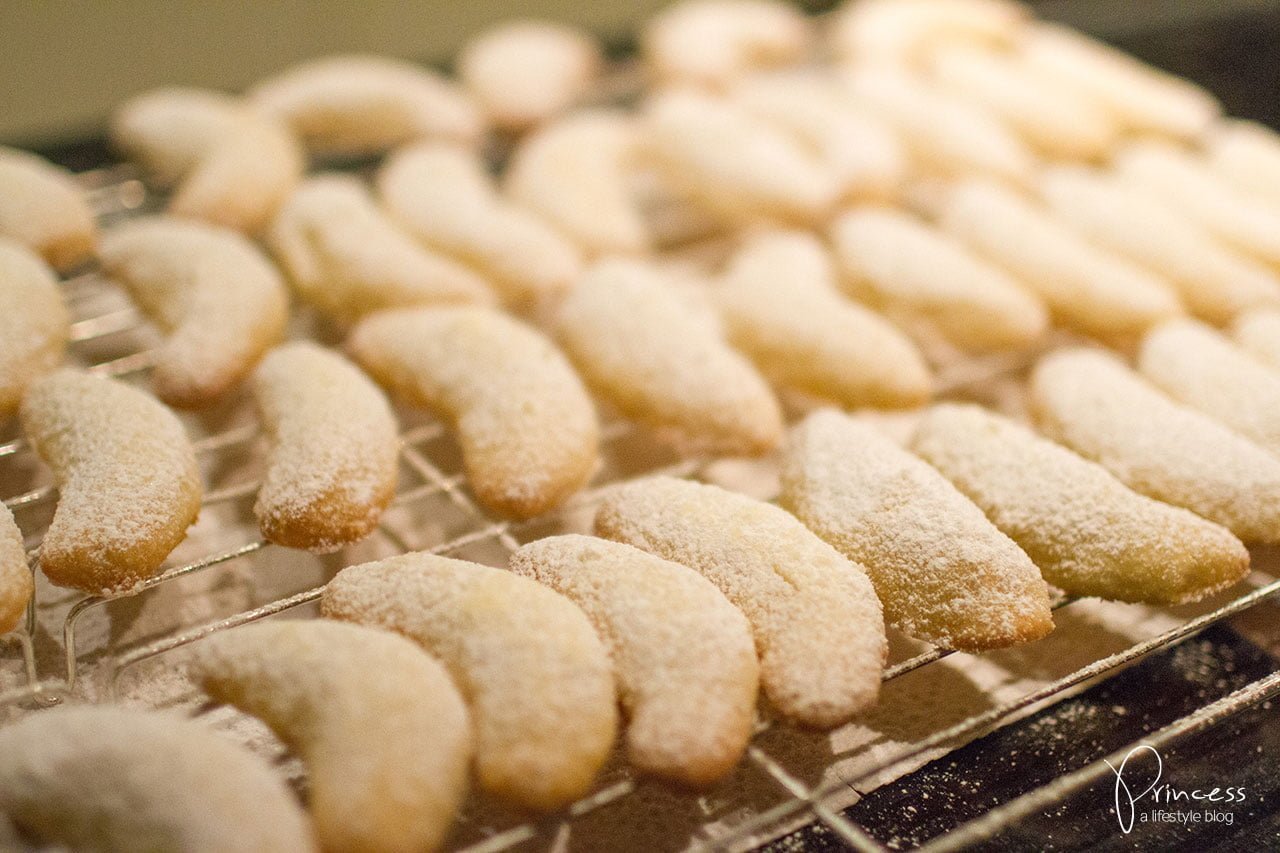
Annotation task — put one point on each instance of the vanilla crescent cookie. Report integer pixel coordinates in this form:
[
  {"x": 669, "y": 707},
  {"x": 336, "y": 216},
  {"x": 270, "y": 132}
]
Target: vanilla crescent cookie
[
  {"x": 1259, "y": 333},
  {"x": 43, "y": 208},
  {"x": 527, "y": 427},
  {"x": 114, "y": 779},
  {"x": 128, "y": 484},
  {"x": 780, "y": 305},
  {"x": 864, "y": 155},
  {"x": 1089, "y": 534},
  {"x": 381, "y": 728},
  {"x": 817, "y": 624},
  {"x": 34, "y": 325},
  {"x": 1143, "y": 98},
  {"x": 906, "y": 31},
  {"x": 1201, "y": 368},
  {"x": 356, "y": 104},
  {"x": 739, "y": 167},
  {"x": 220, "y": 301},
  {"x": 1245, "y": 154},
  {"x": 1053, "y": 119},
  {"x": 576, "y": 172},
  {"x": 943, "y": 572},
  {"x": 167, "y": 131},
  {"x": 1086, "y": 288},
  {"x": 714, "y": 42},
  {"x": 905, "y": 266},
  {"x": 638, "y": 344},
  {"x": 16, "y": 581},
  {"x": 684, "y": 658},
  {"x": 331, "y": 469},
  {"x": 347, "y": 258},
  {"x": 944, "y": 136},
  {"x": 1093, "y": 403},
  {"x": 535, "y": 675},
  {"x": 1215, "y": 282},
  {"x": 1182, "y": 180},
  {"x": 443, "y": 195},
  {"x": 525, "y": 72}
]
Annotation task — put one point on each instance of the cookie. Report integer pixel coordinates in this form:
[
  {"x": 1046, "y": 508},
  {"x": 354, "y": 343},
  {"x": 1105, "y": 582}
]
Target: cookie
[
  {"x": 356, "y": 104},
  {"x": 167, "y": 131},
  {"x": 1259, "y": 333},
  {"x": 525, "y": 72},
  {"x": 535, "y": 675},
  {"x": 575, "y": 172},
  {"x": 527, "y": 428},
  {"x": 16, "y": 581},
  {"x": 1088, "y": 289},
  {"x": 1215, "y": 282},
  {"x": 714, "y": 42},
  {"x": 443, "y": 195},
  {"x": 1089, "y": 534},
  {"x": 908, "y": 31},
  {"x": 102, "y": 778},
  {"x": 128, "y": 484},
  {"x": 219, "y": 301},
  {"x": 943, "y": 572},
  {"x": 34, "y": 326},
  {"x": 43, "y": 208},
  {"x": 1246, "y": 155},
  {"x": 1093, "y": 403},
  {"x": 637, "y": 343},
  {"x": 904, "y": 266},
  {"x": 347, "y": 258},
  {"x": 780, "y": 305},
  {"x": 817, "y": 624},
  {"x": 382, "y": 730},
  {"x": 331, "y": 467},
  {"x": 684, "y": 658}
]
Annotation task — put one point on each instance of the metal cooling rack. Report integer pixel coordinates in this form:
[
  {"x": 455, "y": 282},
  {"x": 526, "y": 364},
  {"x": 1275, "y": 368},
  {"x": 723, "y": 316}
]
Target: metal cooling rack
[{"x": 431, "y": 483}]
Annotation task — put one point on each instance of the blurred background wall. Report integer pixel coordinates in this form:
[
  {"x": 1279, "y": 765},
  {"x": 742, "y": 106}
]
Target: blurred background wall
[{"x": 65, "y": 63}]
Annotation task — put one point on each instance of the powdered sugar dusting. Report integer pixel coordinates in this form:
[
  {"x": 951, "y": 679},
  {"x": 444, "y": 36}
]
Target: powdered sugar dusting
[
  {"x": 33, "y": 325},
  {"x": 16, "y": 582},
  {"x": 817, "y": 624}
]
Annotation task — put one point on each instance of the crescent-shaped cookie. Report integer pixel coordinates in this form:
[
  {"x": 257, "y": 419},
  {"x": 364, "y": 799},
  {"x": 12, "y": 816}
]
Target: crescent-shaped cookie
[
  {"x": 1093, "y": 403},
  {"x": 113, "y": 779},
  {"x": 1055, "y": 120},
  {"x": 347, "y": 258},
  {"x": 944, "y": 136},
  {"x": 817, "y": 624},
  {"x": 684, "y": 658},
  {"x": 714, "y": 42},
  {"x": 1199, "y": 367},
  {"x": 331, "y": 468},
  {"x": 128, "y": 484},
  {"x": 1259, "y": 333},
  {"x": 527, "y": 427},
  {"x": 167, "y": 131},
  {"x": 1143, "y": 98},
  {"x": 1089, "y": 533},
  {"x": 637, "y": 342},
  {"x": 535, "y": 675},
  {"x": 443, "y": 195},
  {"x": 943, "y": 572},
  {"x": 906, "y": 31},
  {"x": 864, "y": 155},
  {"x": 34, "y": 326},
  {"x": 902, "y": 265},
  {"x": 220, "y": 301},
  {"x": 381, "y": 728},
  {"x": 1182, "y": 180},
  {"x": 351, "y": 105},
  {"x": 1085, "y": 287},
  {"x": 16, "y": 581},
  {"x": 43, "y": 208},
  {"x": 576, "y": 173},
  {"x": 780, "y": 306},
  {"x": 1213, "y": 281},
  {"x": 734, "y": 164},
  {"x": 525, "y": 72}
]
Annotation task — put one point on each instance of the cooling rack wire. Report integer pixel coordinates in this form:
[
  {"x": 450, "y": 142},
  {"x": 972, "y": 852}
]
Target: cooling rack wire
[{"x": 54, "y": 657}]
